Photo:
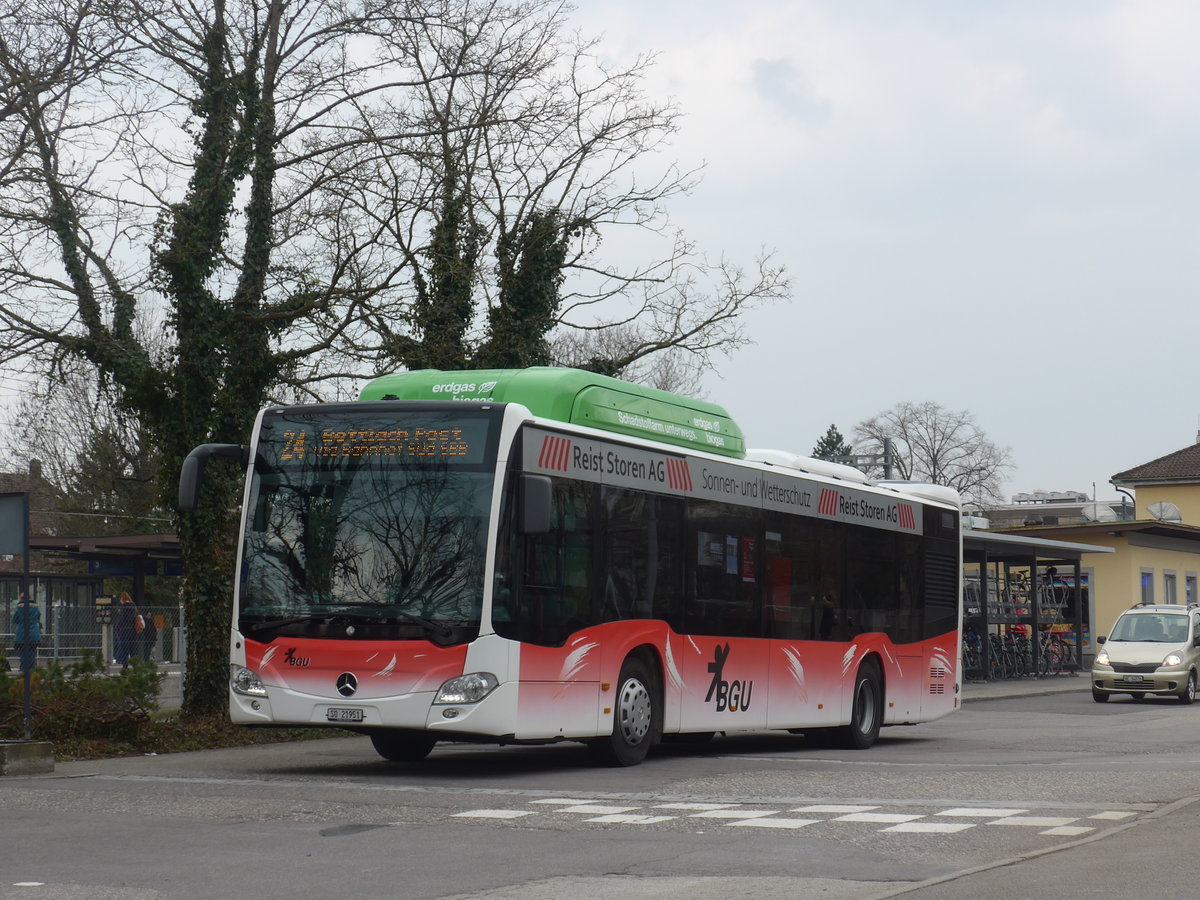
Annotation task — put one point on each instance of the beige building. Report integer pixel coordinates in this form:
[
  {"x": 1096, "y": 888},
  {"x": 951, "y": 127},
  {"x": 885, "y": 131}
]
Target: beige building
[{"x": 1156, "y": 555}]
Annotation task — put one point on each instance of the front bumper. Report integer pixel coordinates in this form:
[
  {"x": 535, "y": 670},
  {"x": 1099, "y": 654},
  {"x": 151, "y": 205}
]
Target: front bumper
[{"x": 1163, "y": 681}]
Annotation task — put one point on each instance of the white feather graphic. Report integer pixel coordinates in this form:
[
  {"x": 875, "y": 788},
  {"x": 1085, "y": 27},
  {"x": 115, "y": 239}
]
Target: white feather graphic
[
  {"x": 387, "y": 670},
  {"x": 268, "y": 656},
  {"x": 796, "y": 668},
  {"x": 848, "y": 659},
  {"x": 673, "y": 670},
  {"x": 575, "y": 661}
]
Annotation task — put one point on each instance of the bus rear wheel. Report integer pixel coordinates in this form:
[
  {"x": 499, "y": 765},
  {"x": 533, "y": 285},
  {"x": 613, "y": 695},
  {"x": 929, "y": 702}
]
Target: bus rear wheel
[
  {"x": 402, "y": 747},
  {"x": 636, "y": 718},
  {"x": 866, "y": 712}
]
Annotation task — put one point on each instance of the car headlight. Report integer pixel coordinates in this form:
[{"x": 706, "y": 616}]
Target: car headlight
[
  {"x": 467, "y": 688},
  {"x": 1173, "y": 659},
  {"x": 246, "y": 681},
  {"x": 1102, "y": 658}
]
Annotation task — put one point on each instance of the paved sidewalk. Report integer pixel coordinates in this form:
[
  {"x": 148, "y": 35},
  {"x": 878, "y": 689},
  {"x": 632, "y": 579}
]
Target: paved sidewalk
[{"x": 1024, "y": 687}]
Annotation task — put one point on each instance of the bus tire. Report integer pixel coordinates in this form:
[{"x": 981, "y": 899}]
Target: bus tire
[
  {"x": 636, "y": 718},
  {"x": 866, "y": 710},
  {"x": 402, "y": 747}
]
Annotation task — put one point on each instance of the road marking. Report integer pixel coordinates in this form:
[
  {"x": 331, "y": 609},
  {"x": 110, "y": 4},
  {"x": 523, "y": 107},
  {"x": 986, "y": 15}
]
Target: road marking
[
  {"x": 877, "y": 818},
  {"x": 733, "y": 814},
  {"x": 494, "y": 813},
  {"x": 932, "y": 827},
  {"x": 1112, "y": 815},
  {"x": 774, "y": 823},
  {"x": 1035, "y": 821},
  {"x": 619, "y": 819},
  {"x": 834, "y": 809},
  {"x": 597, "y": 809},
  {"x": 695, "y": 806},
  {"x": 967, "y": 812},
  {"x": 1067, "y": 830}
]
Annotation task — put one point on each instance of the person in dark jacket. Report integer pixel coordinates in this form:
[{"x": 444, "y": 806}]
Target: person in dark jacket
[
  {"x": 125, "y": 632},
  {"x": 27, "y": 631}
]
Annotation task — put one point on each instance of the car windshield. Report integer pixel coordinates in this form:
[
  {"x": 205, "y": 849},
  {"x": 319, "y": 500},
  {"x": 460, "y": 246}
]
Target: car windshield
[{"x": 1156, "y": 628}]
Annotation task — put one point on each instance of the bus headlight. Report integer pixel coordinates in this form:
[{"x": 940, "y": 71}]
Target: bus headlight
[
  {"x": 467, "y": 688},
  {"x": 246, "y": 681}
]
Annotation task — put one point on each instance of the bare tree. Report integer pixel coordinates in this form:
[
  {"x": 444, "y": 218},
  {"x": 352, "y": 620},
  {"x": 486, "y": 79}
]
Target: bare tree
[
  {"x": 535, "y": 154},
  {"x": 934, "y": 444}
]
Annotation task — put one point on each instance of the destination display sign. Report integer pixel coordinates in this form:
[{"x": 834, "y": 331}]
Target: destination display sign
[
  {"x": 311, "y": 440},
  {"x": 615, "y": 464}
]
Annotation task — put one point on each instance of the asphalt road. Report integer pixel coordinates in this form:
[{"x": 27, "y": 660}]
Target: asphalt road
[{"x": 1027, "y": 796}]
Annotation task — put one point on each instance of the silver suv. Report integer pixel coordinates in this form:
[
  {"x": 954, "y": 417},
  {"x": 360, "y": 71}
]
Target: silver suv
[{"x": 1154, "y": 648}]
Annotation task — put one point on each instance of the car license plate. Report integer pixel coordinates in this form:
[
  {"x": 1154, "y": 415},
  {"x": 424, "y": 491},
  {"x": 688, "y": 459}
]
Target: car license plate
[
  {"x": 1133, "y": 678},
  {"x": 342, "y": 714}
]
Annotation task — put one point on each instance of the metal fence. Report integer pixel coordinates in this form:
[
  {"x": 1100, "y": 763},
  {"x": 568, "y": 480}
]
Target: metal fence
[{"x": 70, "y": 631}]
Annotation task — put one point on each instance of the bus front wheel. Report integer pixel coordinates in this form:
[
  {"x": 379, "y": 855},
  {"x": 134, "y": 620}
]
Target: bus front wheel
[
  {"x": 402, "y": 747},
  {"x": 636, "y": 718},
  {"x": 866, "y": 713}
]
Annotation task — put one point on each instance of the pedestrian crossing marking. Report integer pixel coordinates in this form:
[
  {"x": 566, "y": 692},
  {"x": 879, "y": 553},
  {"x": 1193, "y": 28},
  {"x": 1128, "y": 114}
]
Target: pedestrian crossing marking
[
  {"x": 932, "y": 827},
  {"x": 877, "y": 818},
  {"x": 1034, "y": 821},
  {"x": 774, "y": 823},
  {"x": 921, "y": 820}
]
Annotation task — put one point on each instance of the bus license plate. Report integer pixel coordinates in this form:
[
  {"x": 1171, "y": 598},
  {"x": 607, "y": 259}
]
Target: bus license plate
[{"x": 341, "y": 714}]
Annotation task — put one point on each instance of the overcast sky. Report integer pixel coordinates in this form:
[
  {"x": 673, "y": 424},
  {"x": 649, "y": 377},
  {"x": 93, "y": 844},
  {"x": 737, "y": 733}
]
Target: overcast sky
[{"x": 992, "y": 206}]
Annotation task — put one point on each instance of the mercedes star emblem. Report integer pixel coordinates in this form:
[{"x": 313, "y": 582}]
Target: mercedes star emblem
[{"x": 347, "y": 684}]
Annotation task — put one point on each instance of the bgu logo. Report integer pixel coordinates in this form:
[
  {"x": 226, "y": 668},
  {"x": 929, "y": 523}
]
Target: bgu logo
[
  {"x": 292, "y": 659},
  {"x": 731, "y": 695}
]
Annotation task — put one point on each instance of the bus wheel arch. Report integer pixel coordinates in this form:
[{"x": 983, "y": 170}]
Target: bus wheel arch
[{"x": 637, "y": 711}]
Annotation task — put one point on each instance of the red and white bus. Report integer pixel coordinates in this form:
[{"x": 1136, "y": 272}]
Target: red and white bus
[{"x": 541, "y": 555}]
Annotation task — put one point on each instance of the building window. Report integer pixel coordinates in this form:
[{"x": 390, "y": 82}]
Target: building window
[
  {"x": 1169, "y": 594},
  {"x": 1147, "y": 585},
  {"x": 1190, "y": 587}
]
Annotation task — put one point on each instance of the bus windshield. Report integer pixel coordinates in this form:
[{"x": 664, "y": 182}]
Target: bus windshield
[{"x": 368, "y": 523}]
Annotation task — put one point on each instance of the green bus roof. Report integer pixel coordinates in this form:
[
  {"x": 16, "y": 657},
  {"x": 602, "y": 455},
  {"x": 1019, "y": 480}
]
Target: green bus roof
[{"x": 577, "y": 397}]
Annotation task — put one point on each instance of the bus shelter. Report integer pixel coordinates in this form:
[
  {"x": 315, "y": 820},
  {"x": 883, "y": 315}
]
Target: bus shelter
[{"x": 1019, "y": 593}]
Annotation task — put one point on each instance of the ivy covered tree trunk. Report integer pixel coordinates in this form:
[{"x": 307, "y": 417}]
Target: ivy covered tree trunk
[
  {"x": 529, "y": 263},
  {"x": 207, "y": 539}
]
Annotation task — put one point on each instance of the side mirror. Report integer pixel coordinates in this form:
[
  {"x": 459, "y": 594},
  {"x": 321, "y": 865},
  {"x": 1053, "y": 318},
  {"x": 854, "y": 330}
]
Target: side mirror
[
  {"x": 1101, "y": 639},
  {"x": 534, "y": 506},
  {"x": 1196, "y": 641},
  {"x": 191, "y": 476}
]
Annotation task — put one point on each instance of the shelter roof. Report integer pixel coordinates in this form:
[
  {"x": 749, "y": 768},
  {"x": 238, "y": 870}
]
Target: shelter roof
[
  {"x": 1001, "y": 546},
  {"x": 123, "y": 546}
]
